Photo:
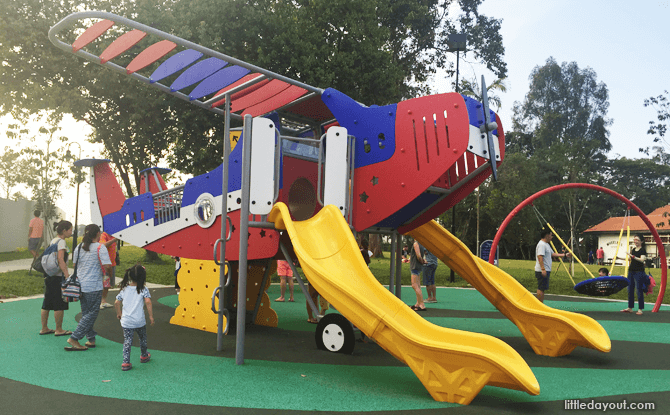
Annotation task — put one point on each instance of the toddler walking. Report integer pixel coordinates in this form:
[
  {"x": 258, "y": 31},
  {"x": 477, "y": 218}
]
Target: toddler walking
[{"x": 134, "y": 295}]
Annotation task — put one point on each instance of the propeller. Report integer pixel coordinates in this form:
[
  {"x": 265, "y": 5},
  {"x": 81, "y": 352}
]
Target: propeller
[{"x": 487, "y": 128}]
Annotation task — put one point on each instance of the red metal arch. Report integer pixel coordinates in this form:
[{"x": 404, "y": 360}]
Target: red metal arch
[{"x": 652, "y": 229}]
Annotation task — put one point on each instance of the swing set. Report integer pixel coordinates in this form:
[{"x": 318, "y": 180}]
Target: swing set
[
  {"x": 595, "y": 286},
  {"x": 601, "y": 286}
]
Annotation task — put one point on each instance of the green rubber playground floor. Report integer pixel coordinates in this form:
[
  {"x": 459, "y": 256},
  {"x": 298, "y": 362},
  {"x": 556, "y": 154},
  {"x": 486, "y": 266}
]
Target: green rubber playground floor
[{"x": 285, "y": 373}]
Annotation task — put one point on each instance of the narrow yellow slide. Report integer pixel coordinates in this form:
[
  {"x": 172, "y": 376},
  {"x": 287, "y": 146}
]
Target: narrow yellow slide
[
  {"x": 550, "y": 332},
  {"x": 452, "y": 365}
]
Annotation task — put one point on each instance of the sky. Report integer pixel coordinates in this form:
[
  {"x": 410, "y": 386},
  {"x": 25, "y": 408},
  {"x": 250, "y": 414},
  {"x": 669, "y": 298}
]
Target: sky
[{"x": 624, "y": 42}]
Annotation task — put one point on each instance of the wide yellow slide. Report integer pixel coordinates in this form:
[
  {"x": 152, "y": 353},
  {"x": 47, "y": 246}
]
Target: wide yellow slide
[
  {"x": 452, "y": 365},
  {"x": 550, "y": 332}
]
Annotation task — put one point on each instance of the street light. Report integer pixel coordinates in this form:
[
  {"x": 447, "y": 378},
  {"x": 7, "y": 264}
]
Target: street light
[
  {"x": 76, "y": 209},
  {"x": 455, "y": 43}
]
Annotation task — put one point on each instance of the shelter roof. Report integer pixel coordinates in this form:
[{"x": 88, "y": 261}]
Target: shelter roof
[{"x": 659, "y": 218}]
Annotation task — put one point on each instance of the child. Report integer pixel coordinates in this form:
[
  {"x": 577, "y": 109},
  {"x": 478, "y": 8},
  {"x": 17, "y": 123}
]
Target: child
[
  {"x": 603, "y": 272},
  {"x": 132, "y": 318}
]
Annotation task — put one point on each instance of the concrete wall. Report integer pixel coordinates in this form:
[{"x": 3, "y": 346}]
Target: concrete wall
[{"x": 14, "y": 219}]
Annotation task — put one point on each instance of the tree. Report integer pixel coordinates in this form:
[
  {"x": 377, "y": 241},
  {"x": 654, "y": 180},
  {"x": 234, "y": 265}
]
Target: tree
[
  {"x": 378, "y": 52},
  {"x": 45, "y": 167},
  {"x": 472, "y": 89},
  {"x": 12, "y": 172},
  {"x": 659, "y": 127},
  {"x": 563, "y": 121}
]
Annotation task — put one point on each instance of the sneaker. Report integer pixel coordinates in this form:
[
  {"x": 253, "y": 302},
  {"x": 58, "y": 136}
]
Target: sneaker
[
  {"x": 105, "y": 305},
  {"x": 144, "y": 359},
  {"x": 126, "y": 366}
]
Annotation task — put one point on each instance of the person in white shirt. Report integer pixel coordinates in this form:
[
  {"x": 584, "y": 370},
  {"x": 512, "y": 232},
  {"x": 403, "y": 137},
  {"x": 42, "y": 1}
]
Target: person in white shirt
[
  {"x": 134, "y": 295},
  {"x": 544, "y": 256}
]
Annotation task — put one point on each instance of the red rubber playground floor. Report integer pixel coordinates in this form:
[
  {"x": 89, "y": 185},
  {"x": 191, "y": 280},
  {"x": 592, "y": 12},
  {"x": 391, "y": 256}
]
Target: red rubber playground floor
[{"x": 285, "y": 373}]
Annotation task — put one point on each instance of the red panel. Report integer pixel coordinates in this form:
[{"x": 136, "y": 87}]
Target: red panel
[
  {"x": 108, "y": 191},
  {"x": 415, "y": 165},
  {"x": 313, "y": 108},
  {"x": 198, "y": 243},
  {"x": 294, "y": 169},
  {"x": 91, "y": 34},
  {"x": 274, "y": 87},
  {"x": 122, "y": 44},
  {"x": 288, "y": 95},
  {"x": 246, "y": 78},
  {"x": 153, "y": 188},
  {"x": 150, "y": 55},
  {"x": 462, "y": 192}
]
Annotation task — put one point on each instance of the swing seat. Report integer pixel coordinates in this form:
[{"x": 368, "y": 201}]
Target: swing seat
[{"x": 602, "y": 286}]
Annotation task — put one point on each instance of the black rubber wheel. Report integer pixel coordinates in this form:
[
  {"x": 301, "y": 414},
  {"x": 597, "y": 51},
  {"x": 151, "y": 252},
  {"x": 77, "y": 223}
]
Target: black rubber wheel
[{"x": 335, "y": 334}]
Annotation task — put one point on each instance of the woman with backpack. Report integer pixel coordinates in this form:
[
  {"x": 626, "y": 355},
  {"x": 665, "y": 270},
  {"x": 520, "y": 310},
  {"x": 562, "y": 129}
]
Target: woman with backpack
[
  {"x": 89, "y": 257},
  {"x": 52, "y": 284}
]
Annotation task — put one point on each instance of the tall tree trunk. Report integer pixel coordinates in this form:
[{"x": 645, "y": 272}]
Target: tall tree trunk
[{"x": 376, "y": 245}]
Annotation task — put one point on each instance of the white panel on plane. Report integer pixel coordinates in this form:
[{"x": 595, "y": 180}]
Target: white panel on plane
[
  {"x": 336, "y": 180},
  {"x": 262, "y": 166}
]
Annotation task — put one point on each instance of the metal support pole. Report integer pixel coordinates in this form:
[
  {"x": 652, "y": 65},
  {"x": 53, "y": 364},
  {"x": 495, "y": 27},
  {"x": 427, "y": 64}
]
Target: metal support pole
[
  {"x": 398, "y": 266},
  {"x": 392, "y": 263},
  {"x": 452, "y": 277},
  {"x": 300, "y": 282},
  {"x": 224, "y": 222},
  {"x": 244, "y": 242}
]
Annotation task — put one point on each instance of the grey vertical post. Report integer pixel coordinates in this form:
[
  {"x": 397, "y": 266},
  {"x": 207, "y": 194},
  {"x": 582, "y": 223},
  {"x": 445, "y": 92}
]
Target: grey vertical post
[
  {"x": 224, "y": 222},
  {"x": 244, "y": 241},
  {"x": 392, "y": 264},
  {"x": 398, "y": 266}
]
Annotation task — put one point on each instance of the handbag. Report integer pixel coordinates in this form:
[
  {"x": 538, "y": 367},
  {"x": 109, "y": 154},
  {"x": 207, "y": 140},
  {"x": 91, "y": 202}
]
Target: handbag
[{"x": 71, "y": 288}]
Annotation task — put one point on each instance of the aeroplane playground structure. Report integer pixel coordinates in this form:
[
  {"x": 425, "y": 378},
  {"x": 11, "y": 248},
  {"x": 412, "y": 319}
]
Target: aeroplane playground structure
[{"x": 319, "y": 166}]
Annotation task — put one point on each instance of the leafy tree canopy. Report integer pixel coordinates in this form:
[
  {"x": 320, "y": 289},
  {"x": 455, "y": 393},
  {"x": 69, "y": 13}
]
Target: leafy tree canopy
[{"x": 377, "y": 51}]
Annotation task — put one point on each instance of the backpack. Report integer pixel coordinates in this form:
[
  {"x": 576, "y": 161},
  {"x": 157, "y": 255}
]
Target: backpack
[{"x": 47, "y": 262}]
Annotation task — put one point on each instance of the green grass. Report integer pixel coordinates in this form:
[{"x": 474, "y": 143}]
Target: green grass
[
  {"x": 20, "y": 284},
  {"x": 162, "y": 272},
  {"x": 21, "y": 253}
]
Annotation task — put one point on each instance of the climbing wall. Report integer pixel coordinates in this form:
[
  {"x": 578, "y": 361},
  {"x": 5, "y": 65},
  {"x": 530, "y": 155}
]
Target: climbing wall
[{"x": 198, "y": 279}]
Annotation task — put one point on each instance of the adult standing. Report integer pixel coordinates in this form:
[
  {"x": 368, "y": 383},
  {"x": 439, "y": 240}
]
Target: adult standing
[
  {"x": 35, "y": 233},
  {"x": 600, "y": 255},
  {"x": 544, "y": 257},
  {"x": 416, "y": 262},
  {"x": 110, "y": 243},
  {"x": 636, "y": 275},
  {"x": 429, "y": 276},
  {"x": 53, "y": 300},
  {"x": 89, "y": 261}
]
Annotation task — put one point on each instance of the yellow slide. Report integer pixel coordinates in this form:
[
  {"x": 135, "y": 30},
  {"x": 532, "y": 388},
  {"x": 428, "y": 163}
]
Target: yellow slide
[
  {"x": 452, "y": 365},
  {"x": 549, "y": 332}
]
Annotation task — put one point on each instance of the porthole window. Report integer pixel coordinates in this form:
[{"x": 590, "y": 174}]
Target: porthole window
[{"x": 204, "y": 210}]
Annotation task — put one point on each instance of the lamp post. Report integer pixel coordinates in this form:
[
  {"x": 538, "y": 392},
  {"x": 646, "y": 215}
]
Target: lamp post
[
  {"x": 455, "y": 43},
  {"x": 76, "y": 209}
]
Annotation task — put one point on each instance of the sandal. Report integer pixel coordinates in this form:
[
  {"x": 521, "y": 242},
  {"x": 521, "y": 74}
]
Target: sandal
[
  {"x": 626, "y": 310},
  {"x": 90, "y": 345},
  {"x": 313, "y": 321},
  {"x": 65, "y": 333},
  {"x": 279, "y": 300},
  {"x": 639, "y": 312}
]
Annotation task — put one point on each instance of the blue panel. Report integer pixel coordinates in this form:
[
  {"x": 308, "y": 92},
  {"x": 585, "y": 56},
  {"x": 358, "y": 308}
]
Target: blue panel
[
  {"x": 132, "y": 208},
  {"x": 376, "y": 125},
  {"x": 175, "y": 64},
  {"x": 211, "y": 182},
  {"x": 476, "y": 113},
  {"x": 409, "y": 211},
  {"x": 197, "y": 73},
  {"x": 219, "y": 80}
]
